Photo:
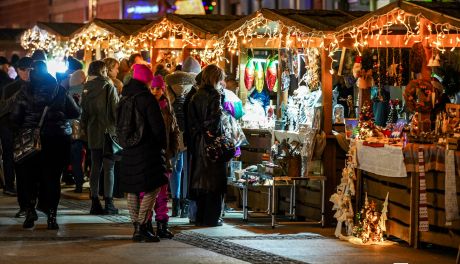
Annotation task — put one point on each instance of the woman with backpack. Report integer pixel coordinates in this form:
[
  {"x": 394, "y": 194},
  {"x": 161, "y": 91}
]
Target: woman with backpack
[
  {"x": 41, "y": 173},
  {"x": 208, "y": 178},
  {"x": 141, "y": 132},
  {"x": 99, "y": 100}
]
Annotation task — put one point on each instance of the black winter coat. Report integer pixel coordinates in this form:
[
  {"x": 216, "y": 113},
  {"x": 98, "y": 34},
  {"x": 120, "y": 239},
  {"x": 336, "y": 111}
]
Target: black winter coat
[
  {"x": 143, "y": 167},
  {"x": 204, "y": 112},
  {"x": 31, "y": 101}
]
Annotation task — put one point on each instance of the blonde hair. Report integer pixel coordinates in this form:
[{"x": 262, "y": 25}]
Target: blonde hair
[
  {"x": 110, "y": 63},
  {"x": 212, "y": 75}
]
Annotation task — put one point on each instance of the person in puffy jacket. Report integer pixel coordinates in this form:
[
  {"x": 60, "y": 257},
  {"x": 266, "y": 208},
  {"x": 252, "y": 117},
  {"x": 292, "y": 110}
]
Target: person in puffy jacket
[
  {"x": 99, "y": 101},
  {"x": 41, "y": 173},
  {"x": 143, "y": 166}
]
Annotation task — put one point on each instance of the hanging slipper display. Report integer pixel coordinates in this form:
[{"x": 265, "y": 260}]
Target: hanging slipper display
[
  {"x": 271, "y": 75},
  {"x": 259, "y": 77},
  {"x": 249, "y": 74}
]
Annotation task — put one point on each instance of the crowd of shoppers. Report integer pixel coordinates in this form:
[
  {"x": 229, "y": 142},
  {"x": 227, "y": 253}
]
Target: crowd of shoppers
[{"x": 162, "y": 156}]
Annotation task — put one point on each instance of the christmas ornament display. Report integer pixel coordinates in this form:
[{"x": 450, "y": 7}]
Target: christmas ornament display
[
  {"x": 259, "y": 77},
  {"x": 393, "y": 115},
  {"x": 342, "y": 198},
  {"x": 249, "y": 74},
  {"x": 418, "y": 96},
  {"x": 370, "y": 223}
]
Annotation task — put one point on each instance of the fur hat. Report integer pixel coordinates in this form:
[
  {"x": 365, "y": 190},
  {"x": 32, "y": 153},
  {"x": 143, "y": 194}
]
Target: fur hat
[
  {"x": 158, "y": 81},
  {"x": 191, "y": 65},
  {"x": 180, "y": 77},
  {"x": 142, "y": 73}
]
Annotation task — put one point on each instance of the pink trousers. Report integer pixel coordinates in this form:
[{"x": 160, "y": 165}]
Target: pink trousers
[{"x": 161, "y": 204}]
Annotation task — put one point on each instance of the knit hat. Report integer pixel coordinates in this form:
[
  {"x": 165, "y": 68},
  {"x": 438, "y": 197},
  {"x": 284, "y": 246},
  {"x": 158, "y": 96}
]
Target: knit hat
[
  {"x": 24, "y": 63},
  {"x": 39, "y": 55},
  {"x": 158, "y": 82},
  {"x": 142, "y": 73},
  {"x": 74, "y": 64},
  {"x": 3, "y": 60},
  {"x": 77, "y": 78},
  {"x": 191, "y": 65}
]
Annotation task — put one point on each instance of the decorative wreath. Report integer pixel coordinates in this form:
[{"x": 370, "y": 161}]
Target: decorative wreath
[{"x": 418, "y": 96}]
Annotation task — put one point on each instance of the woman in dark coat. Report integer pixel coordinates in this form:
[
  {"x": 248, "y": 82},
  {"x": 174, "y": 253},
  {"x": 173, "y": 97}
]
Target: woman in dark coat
[
  {"x": 98, "y": 102},
  {"x": 143, "y": 166},
  {"x": 41, "y": 173},
  {"x": 208, "y": 179}
]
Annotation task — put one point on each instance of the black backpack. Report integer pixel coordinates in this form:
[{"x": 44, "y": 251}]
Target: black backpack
[{"x": 130, "y": 122}]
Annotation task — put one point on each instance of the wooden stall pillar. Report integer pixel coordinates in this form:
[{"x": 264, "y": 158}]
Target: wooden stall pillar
[
  {"x": 426, "y": 71},
  {"x": 326, "y": 81}
]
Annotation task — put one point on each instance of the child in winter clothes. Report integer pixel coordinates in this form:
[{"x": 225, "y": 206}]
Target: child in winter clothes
[{"x": 172, "y": 140}]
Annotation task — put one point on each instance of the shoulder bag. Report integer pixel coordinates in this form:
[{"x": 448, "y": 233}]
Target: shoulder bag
[
  {"x": 27, "y": 142},
  {"x": 111, "y": 149}
]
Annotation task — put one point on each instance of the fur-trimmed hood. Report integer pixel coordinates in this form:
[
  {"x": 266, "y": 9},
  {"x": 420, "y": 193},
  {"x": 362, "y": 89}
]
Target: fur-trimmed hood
[{"x": 180, "y": 82}]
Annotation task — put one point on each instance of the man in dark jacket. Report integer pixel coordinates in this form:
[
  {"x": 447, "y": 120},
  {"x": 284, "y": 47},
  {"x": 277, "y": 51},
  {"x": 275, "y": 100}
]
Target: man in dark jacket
[
  {"x": 8, "y": 95},
  {"x": 39, "y": 175}
]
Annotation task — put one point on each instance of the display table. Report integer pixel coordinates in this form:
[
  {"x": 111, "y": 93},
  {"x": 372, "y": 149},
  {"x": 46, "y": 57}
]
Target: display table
[{"x": 404, "y": 216}]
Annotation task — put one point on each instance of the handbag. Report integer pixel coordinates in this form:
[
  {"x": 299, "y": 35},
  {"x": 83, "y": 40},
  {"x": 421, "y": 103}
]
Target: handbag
[
  {"x": 27, "y": 142},
  {"x": 111, "y": 149},
  {"x": 220, "y": 148}
]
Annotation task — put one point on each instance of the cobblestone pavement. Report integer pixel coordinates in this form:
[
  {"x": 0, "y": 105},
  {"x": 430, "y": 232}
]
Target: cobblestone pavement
[{"x": 107, "y": 239}]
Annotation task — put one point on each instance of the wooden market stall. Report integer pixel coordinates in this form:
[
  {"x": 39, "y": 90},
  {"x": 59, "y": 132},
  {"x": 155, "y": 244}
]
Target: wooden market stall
[
  {"x": 102, "y": 38},
  {"x": 174, "y": 37},
  {"x": 51, "y": 37},
  {"x": 287, "y": 47},
  {"x": 411, "y": 42}
]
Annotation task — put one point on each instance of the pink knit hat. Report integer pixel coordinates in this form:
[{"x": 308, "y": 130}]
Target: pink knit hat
[
  {"x": 142, "y": 73},
  {"x": 158, "y": 82}
]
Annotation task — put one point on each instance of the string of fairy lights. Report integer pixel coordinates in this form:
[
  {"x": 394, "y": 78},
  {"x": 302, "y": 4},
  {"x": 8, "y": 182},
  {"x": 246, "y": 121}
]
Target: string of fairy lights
[
  {"x": 376, "y": 29},
  {"x": 273, "y": 32},
  {"x": 95, "y": 36},
  {"x": 37, "y": 38}
]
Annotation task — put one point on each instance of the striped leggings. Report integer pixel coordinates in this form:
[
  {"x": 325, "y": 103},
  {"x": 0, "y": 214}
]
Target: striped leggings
[{"x": 140, "y": 209}]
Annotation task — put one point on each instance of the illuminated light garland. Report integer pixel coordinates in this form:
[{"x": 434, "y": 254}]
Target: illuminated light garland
[
  {"x": 95, "y": 36},
  {"x": 376, "y": 26},
  {"x": 171, "y": 31},
  {"x": 260, "y": 27},
  {"x": 40, "y": 39}
]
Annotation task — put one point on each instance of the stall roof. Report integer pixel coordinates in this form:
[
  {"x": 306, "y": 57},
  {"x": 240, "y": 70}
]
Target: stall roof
[
  {"x": 307, "y": 20},
  {"x": 11, "y": 34},
  {"x": 200, "y": 24},
  {"x": 60, "y": 29},
  {"x": 437, "y": 12},
  {"x": 119, "y": 27}
]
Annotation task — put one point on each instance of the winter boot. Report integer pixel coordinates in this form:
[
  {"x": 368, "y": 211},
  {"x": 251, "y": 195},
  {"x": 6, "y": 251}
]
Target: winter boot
[
  {"x": 175, "y": 207},
  {"x": 150, "y": 226},
  {"x": 31, "y": 217},
  {"x": 146, "y": 235},
  {"x": 163, "y": 231},
  {"x": 183, "y": 208},
  {"x": 52, "y": 224},
  {"x": 96, "y": 207},
  {"x": 137, "y": 232},
  {"x": 110, "y": 208}
]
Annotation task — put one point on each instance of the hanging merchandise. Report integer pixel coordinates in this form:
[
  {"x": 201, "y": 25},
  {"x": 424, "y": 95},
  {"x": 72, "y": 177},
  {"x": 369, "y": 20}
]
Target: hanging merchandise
[
  {"x": 271, "y": 74},
  {"x": 259, "y": 77},
  {"x": 249, "y": 74},
  {"x": 417, "y": 58}
]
